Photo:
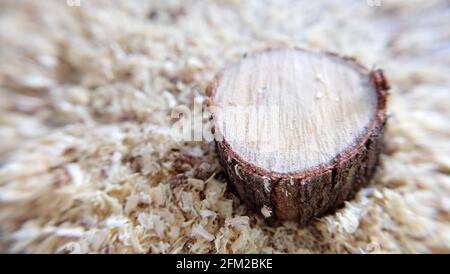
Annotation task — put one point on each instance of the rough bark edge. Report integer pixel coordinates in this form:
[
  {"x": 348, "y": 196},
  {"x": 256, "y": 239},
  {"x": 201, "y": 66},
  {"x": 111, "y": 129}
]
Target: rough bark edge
[{"x": 305, "y": 195}]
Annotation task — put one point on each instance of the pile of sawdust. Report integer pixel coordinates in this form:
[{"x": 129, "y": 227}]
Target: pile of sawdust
[{"x": 88, "y": 162}]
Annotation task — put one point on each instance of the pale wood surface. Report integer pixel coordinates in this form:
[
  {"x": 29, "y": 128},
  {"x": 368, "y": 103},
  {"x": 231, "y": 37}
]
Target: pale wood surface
[{"x": 289, "y": 110}]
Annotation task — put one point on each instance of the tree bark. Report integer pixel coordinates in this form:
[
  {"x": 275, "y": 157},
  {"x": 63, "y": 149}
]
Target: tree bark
[{"x": 303, "y": 196}]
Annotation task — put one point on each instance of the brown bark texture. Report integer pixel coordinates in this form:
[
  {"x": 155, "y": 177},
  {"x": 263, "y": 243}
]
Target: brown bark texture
[{"x": 304, "y": 196}]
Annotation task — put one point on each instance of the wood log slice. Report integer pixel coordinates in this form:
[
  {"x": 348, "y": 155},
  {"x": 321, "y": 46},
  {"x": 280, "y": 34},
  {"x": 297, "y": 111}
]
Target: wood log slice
[{"x": 298, "y": 132}]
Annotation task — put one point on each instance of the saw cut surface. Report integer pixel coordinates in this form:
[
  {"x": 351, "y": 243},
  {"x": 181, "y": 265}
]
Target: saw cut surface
[{"x": 289, "y": 111}]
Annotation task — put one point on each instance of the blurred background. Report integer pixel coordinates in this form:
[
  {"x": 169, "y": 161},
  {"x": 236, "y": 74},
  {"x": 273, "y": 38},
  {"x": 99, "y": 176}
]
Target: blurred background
[{"x": 87, "y": 162}]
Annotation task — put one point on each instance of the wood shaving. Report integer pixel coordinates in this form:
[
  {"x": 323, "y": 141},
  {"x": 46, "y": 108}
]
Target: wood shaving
[{"x": 87, "y": 158}]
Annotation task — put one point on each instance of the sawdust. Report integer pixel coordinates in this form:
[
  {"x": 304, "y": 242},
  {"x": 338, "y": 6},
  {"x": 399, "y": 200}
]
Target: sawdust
[{"x": 88, "y": 164}]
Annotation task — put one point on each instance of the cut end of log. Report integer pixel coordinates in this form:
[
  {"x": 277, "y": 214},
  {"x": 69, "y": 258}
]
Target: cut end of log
[{"x": 298, "y": 132}]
